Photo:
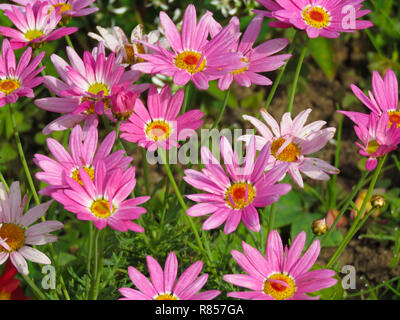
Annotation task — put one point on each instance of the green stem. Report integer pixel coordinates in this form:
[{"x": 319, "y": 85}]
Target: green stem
[
  {"x": 187, "y": 90},
  {"x": 297, "y": 76},
  {"x": 146, "y": 171},
  {"x": 100, "y": 265},
  {"x": 356, "y": 225},
  {"x": 271, "y": 219},
  {"x": 36, "y": 291},
  {"x": 4, "y": 182},
  {"x": 69, "y": 42},
  {"x": 279, "y": 77},
  {"x": 95, "y": 243},
  {"x": 182, "y": 203},
  {"x": 223, "y": 107},
  {"x": 89, "y": 259}
]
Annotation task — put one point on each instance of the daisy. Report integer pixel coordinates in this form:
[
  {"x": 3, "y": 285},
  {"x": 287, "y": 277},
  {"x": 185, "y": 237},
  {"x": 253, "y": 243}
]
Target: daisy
[
  {"x": 115, "y": 40},
  {"x": 9, "y": 286},
  {"x": 84, "y": 154},
  {"x": 282, "y": 274},
  {"x": 291, "y": 142},
  {"x": 162, "y": 285},
  {"x": 159, "y": 126},
  {"x": 35, "y": 25},
  {"x": 193, "y": 57},
  {"x": 234, "y": 197},
  {"x": 257, "y": 59},
  {"x": 84, "y": 91},
  {"x": 317, "y": 17},
  {"x": 17, "y": 80},
  {"x": 102, "y": 199},
  {"x": 378, "y": 137},
  {"x": 17, "y": 232}
]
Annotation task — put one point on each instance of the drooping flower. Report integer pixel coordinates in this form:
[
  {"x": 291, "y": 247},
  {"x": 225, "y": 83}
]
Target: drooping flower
[
  {"x": 35, "y": 25},
  {"x": 84, "y": 154},
  {"x": 292, "y": 141},
  {"x": 123, "y": 101},
  {"x": 17, "y": 80},
  {"x": 17, "y": 233},
  {"x": 115, "y": 40},
  {"x": 162, "y": 285},
  {"x": 257, "y": 59},
  {"x": 102, "y": 199},
  {"x": 83, "y": 93},
  {"x": 194, "y": 57},
  {"x": 282, "y": 274},
  {"x": 9, "y": 286},
  {"x": 317, "y": 17},
  {"x": 234, "y": 197},
  {"x": 159, "y": 124}
]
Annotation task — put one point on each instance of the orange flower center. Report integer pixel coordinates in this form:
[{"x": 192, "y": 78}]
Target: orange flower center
[
  {"x": 290, "y": 154},
  {"x": 166, "y": 296},
  {"x": 101, "y": 208},
  {"x": 394, "y": 118},
  {"x": 316, "y": 17},
  {"x": 131, "y": 55},
  {"x": 77, "y": 177},
  {"x": 14, "y": 236},
  {"x": 190, "y": 61},
  {"x": 277, "y": 290},
  {"x": 8, "y": 86},
  {"x": 239, "y": 195},
  {"x": 4, "y": 295},
  {"x": 158, "y": 130}
]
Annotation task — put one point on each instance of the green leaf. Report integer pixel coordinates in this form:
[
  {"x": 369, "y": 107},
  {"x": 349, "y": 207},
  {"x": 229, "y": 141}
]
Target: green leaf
[
  {"x": 322, "y": 52},
  {"x": 288, "y": 209},
  {"x": 303, "y": 222},
  {"x": 218, "y": 94}
]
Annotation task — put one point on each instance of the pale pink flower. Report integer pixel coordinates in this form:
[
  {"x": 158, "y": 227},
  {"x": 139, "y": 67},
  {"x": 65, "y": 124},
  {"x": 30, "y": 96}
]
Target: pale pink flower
[
  {"x": 317, "y": 17},
  {"x": 234, "y": 197},
  {"x": 282, "y": 274},
  {"x": 84, "y": 154},
  {"x": 17, "y": 234},
  {"x": 158, "y": 125},
  {"x": 35, "y": 25},
  {"x": 17, "y": 80},
  {"x": 194, "y": 57},
  {"x": 292, "y": 141},
  {"x": 163, "y": 284}
]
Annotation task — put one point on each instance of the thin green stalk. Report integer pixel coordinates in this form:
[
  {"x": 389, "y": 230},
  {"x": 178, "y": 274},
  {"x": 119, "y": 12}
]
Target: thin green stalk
[
  {"x": 297, "y": 76},
  {"x": 95, "y": 243},
  {"x": 100, "y": 265},
  {"x": 146, "y": 171},
  {"x": 355, "y": 226},
  {"x": 271, "y": 219},
  {"x": 4, "y": 182},
  {"x": 36, "y": 291},
  {"x": 187, "y": 92},
  {"x": 69, "y": 42},
  {"x": 223, "y": 107},
  {"x": 182, "y": 203},
  {"x": 89, "y": 259},
  {"x": 279, "y": 77}
]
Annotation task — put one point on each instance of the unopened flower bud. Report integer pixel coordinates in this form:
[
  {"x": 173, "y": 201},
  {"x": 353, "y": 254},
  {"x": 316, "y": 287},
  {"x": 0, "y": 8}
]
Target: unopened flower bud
[
  {"x": 319, "y": 227},
  {"x": 123, "y": 102},
  {"x": 378, "y": 201}
]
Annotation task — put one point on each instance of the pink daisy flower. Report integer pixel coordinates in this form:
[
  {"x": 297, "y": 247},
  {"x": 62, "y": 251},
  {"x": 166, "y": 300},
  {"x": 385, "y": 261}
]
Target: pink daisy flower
[
  {"x": 17, "y": 234},
  {"x": 257, "y": 59},
  {"x": 102, "y": 199},
  {"x": 384, "y": 98},
  {"x": 234, "y": 197},
  {"x": 18, "y": 80},
  {"x": 193, "y": 57},
  {"x": 84, "y": 154},
  {"x": 292, "y": 141},
  {"x": 85, "y": 88},
  {"x": 162, "y": 285},
  {"x": 35, "y": 25},
  {"x": 66, "y": 8},
  {"x": 317, "y": 17},
  {"x": 158, "y": 126},
  {"x": 281, "y": 274}
]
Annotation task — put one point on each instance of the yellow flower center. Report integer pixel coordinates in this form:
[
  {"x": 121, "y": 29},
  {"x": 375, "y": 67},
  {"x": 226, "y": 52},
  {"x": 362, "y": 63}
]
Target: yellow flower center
[
  {"x": 98, "y": 87},
  {"x": 101, "y": 208},
  {"x": 13, "y": 235},
  {"x": 277, "y": 290},
  {"x": 5, "y": 295},
  {"x": 394, "y": 118},
  {"x": 33, "y": 34},
  {"x": 372, "y": 147},
  {"x": 64, "y": 7},
  {"x": 239, "y": 71},
  {"x": 130, "y": 53},
  {"x": 8, "y": 86},
  {"x": 240, "y": 195},
  {"x": 190, "y": 61},
  {"x": 290, "y": 154},
  {"x": 158, "y": 130},
  {"x": 316, "y": 17},
  {"x": 166, "y": 296},
  {"x": 77, "y": 177},
  {"x": 91, "y": 110}
]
